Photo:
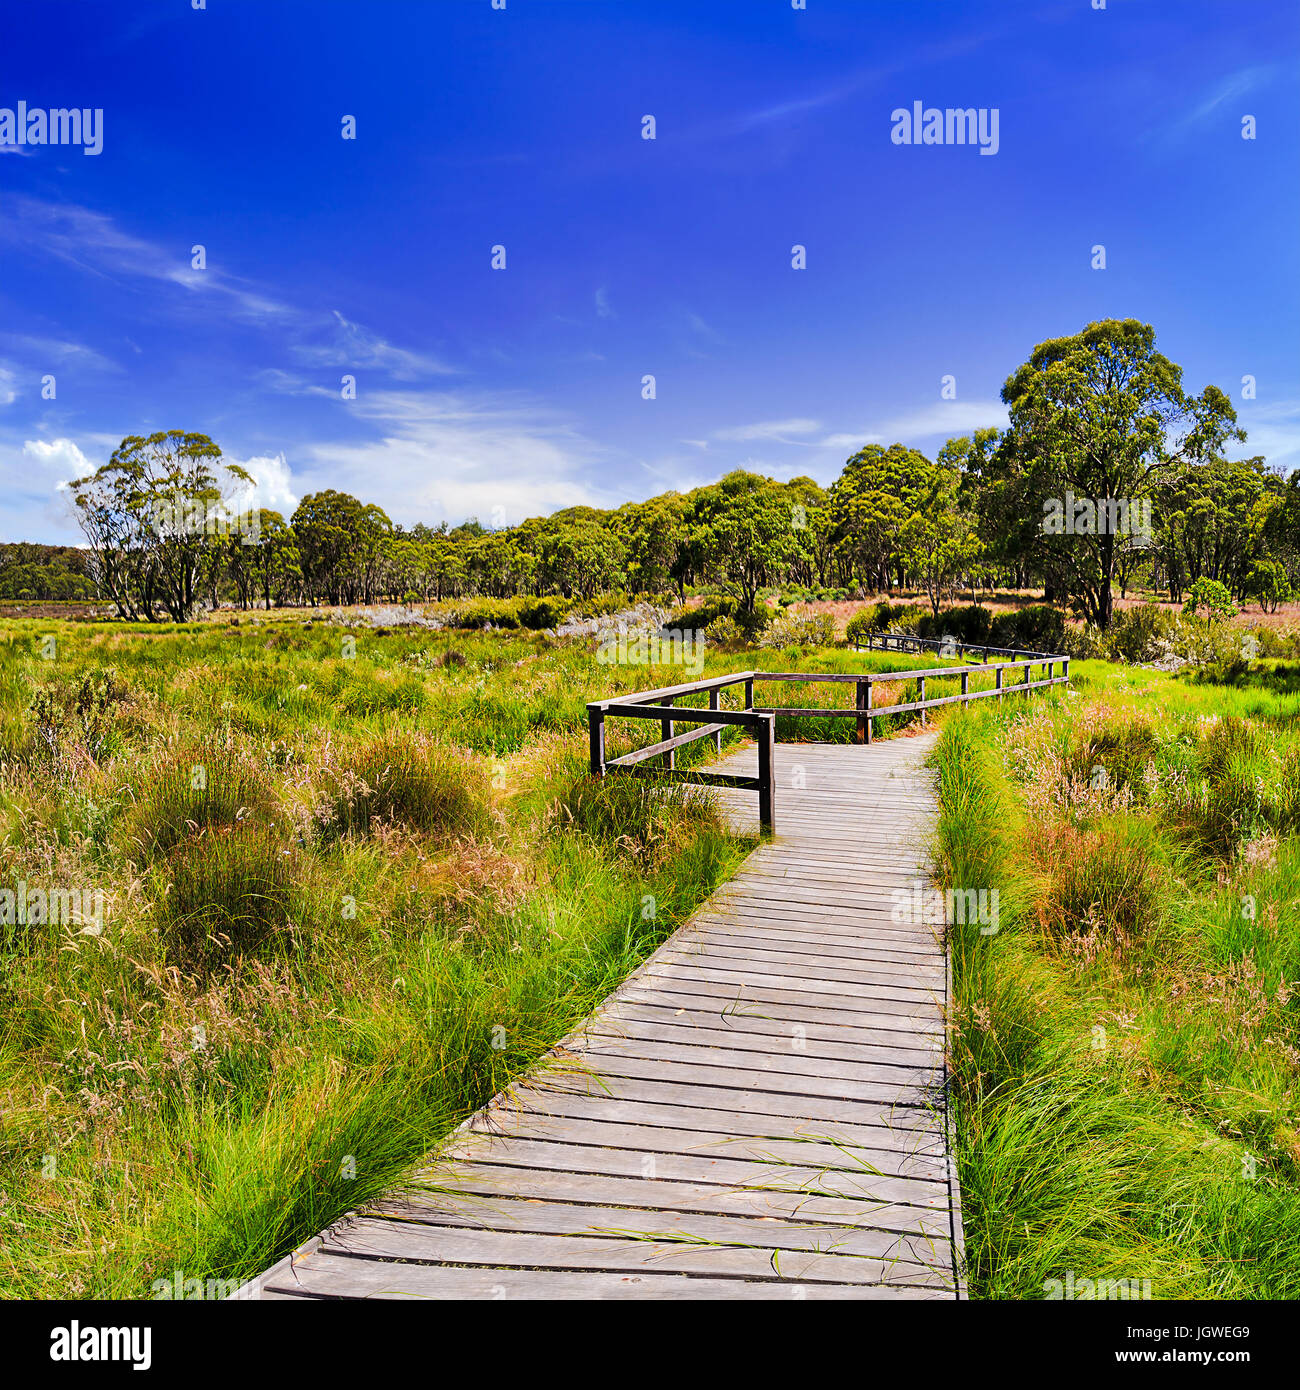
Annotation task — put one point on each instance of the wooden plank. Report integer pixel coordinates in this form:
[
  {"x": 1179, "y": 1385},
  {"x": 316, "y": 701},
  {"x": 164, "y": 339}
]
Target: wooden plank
[
  {"x": 413, "y": 1241},
  {"x": 332, "y": 1276},
  {"x": 473, "y": 1181},
  {"x": 578, "y": 1219},
  {"x": 646, "y": 1138}
]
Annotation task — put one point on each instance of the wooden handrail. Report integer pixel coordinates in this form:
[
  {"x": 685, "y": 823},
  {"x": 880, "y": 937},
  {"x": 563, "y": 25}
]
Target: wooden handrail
[{"x": 661, "y": 704}]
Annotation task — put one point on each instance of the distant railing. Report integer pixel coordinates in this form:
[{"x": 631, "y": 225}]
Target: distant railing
[
  {"x": 761, "y": 721},
  {"x": 948, "y": 646}
]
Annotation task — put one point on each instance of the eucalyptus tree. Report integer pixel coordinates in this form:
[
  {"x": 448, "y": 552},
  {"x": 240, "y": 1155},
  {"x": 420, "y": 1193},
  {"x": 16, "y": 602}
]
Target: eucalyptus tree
[
  {"x": 154, "y": 517},
  {"x": 1100, "y": 417}
]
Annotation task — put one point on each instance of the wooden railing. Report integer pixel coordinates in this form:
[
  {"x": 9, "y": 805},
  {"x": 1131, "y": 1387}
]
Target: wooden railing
[
  {"x": 906, "y": 643},
  {"x": 662, "y": 705}
]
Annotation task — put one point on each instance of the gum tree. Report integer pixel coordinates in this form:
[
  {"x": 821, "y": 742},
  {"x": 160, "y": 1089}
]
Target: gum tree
[{"x": 1104, "y": 416}]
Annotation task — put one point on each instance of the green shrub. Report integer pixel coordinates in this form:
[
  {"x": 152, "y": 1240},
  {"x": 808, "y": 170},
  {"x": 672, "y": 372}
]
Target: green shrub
[
  {"x": 724, "y": 632},
  {"x": 859, "y": 627},
  {"x": 1038, "y": 628},
  {"x": 970, "y": 625},
  {"x": 479, "y": 613},
  {"x": 227, "y": 893},
  {"x": 1211, "y": 595},
  {"x": 1139, "y": 634},
  {"x": 412, "y": 782},
  {"x": 806, "y": 630},
  {"x": 703, "y": 616},
  {"x": 538, "y": 614},
  {"x": 81, "y": 715}
]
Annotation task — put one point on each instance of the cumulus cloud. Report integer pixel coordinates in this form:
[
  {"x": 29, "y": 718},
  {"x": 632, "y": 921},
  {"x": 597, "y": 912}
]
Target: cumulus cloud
[
  {"x": 273, "y": 486},
  {"x": 60, "y": 457}
]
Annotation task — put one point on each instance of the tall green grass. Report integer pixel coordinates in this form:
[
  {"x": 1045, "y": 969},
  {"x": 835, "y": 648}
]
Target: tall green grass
[{"x": 1124, "y": 1050}]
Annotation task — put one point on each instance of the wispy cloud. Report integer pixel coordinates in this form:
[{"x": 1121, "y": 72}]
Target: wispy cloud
[
  {"x": 1273, "y": 430},
  {"x": 778, "y": 430},
  {"x": 342, "y": 343},
  {"x": 1231, "y": 88},
  {"x": 94, "y": 243}
]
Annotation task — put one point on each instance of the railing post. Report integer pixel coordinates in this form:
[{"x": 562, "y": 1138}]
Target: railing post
[
  {"x": 670, "y": 759},
  {"x": 596, "y": 736},
  {"x": 1065, "y": 670},
  {"x": 920, "y": 686},
  {"x": 965, "y": 686},
  {"x": 766, "y": 730},
  {"x": 867, "y": 721},
  {"x": 1028, "y": 669},
  {"x": 998, "y": 687},
  {"x": 713, "y": 704},
  {"x": 749, "y": 693}
]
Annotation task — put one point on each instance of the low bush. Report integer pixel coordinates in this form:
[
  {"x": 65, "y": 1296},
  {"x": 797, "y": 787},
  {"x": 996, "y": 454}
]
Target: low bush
[
  {"x": 1038, "y": 628},
  {"x": 1143, "y": 633},
  {"x": 800, "y": 630},
  {"x": 970, "y": 625},
  {"x": 716, "y": 607},
  {"x": 537, "y": 614},
  {"x": 1108, "y": 878},
  {"x": 637, "y": 817}
]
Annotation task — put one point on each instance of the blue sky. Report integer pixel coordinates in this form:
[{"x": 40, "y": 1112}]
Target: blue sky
[{"x": 509, "y": 393}]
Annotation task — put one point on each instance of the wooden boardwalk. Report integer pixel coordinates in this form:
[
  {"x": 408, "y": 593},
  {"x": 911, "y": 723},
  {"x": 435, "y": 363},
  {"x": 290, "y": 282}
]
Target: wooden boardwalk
[{"x": 758, "y": 1112}]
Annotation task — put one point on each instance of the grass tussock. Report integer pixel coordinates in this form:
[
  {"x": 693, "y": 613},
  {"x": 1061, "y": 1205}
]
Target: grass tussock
[
  {"x": 229, "y": 893},
  {"x": 408, "y": 781}
]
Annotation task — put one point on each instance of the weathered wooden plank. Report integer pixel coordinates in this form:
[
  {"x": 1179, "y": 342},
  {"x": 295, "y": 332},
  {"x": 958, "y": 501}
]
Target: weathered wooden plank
[
  {"x": 709, "y": 1030},
  {"x": 692, "y": 1118},
  {"x": 477, "y": 1180},
  {"x": 333, "y": 1276},
  {"x": 602, "y": 1039},
  {"x": 646, "y": 1138},
  {"x": 412, "y": 1241},
  {"x": 582, "y": 1219}
]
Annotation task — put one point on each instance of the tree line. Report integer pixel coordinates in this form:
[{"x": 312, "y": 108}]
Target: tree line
[{"x": 1108, "y": 475}]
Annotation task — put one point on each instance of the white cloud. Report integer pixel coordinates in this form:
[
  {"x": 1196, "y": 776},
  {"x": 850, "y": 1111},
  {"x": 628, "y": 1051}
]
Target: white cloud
[
  {"x": 442, "y": 456},
  {"x": 60, "y": 457},
  {"x": 345, "y": 344},
  {"x": 7, "y": 392},
  {"x": 1272, "y": 430},
  {"x": 946, "y": 418},
  {"x": 273, "y": 484},
  {"x": 767, "y": 429},
  {"x": 93, "y": 242},
  {"x": 603, "y": 310}
]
